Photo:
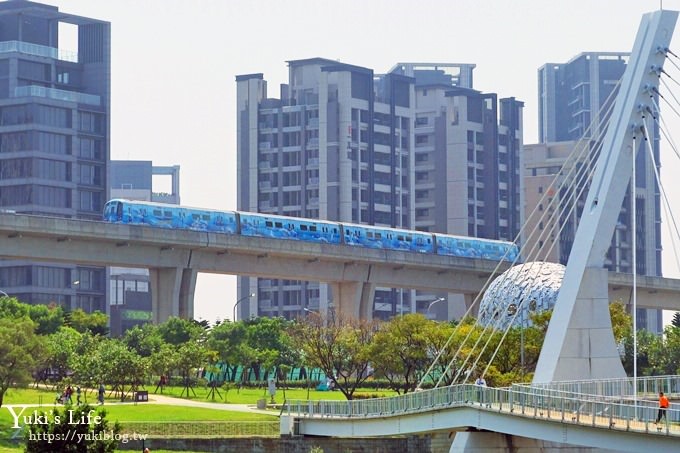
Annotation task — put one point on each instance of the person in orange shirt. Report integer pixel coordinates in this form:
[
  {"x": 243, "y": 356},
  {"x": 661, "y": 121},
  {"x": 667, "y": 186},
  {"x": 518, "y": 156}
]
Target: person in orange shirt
[{"x": 663, "y": 406}]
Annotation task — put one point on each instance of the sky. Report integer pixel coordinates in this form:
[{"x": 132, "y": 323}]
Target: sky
[{"x": 174, "y": 65}]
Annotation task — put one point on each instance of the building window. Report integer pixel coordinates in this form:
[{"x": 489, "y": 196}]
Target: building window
[{"x": 91, "y": 122}]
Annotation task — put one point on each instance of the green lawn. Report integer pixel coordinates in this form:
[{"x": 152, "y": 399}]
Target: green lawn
[
  {"x": 251, "y": 395},
  {"x": 153, "y": 412}
]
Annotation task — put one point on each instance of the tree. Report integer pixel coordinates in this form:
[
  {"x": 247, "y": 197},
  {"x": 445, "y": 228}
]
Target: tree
[
  {"x": 622, "y": 322},
  {"x": 651, "y": 358},
  {"x": 400, "y": 350},
  {"x": 48, "y": 318},
  {"x": 61, "y": 351},
  {"x": 86, "y": 364},
  {"x": 177, "y": 331},
  {"x": 268, "y": 340},
  {"x": 228, "y": 339},
  {"x": 95, "y": 323},
  {"x": 338, "y": 345},
  {"x": 190, "y": 356},
  {"x": 91, "y": 433},
  {"x": 20, "y": 351},
  {"x": 146, "y": 340},
  {"x": 676, "y": 319},
  {"x": 121, "y": 366}
]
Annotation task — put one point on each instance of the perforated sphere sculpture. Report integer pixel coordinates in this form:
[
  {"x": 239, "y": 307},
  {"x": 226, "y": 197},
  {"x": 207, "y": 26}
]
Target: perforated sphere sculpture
[{"x": 522, "y": 289}]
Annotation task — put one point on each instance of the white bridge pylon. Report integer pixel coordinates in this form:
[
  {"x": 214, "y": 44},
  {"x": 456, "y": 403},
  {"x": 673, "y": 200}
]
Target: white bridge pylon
[{"x": 579, "y": 343}]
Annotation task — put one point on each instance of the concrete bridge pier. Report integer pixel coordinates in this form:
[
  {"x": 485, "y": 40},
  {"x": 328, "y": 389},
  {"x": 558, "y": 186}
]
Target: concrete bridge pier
[
  {"x": 490, "y": 442},
  {"x": 172, "y": 292},
  {"x": 353, "y": 299}
]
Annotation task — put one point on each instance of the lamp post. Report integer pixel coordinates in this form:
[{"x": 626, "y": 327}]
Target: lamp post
[
  {"x": 3, "y": 294},
  {"x": 239, "y": 301},
  {"x": 439, "y": 299}
]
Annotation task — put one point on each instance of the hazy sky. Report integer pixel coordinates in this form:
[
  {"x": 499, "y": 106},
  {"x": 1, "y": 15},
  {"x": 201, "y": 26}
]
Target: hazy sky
[{"x": 174, "y": 63}]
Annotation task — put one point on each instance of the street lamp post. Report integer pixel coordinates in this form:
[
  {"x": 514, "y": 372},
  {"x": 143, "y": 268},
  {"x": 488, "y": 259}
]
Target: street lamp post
[
  {"x": 3, "y": 294},
  {"x": 439, "y": 299},
  {"x": 239, "y": 301}
]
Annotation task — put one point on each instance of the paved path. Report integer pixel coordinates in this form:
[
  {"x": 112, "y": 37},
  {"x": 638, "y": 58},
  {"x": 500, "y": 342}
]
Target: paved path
[{"x": 170, "y": 401}]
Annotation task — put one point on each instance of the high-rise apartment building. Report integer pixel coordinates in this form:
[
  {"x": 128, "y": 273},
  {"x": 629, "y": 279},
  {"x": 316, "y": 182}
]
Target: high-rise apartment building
[
  {"x": 335, "y": 145},
  {"x": 129, "y": 289},
  {"x": 415, "y": 148},
  {"x": 55, "y": 72},
  {"x": 575, "y": 103},
  {"x": 467, "y": 170}
]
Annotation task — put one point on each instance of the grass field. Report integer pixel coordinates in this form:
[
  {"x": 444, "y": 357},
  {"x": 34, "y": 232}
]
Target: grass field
[{"x": 163, "y": 413}]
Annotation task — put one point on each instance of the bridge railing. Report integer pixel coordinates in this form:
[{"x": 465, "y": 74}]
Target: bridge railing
[
  {"x": 647, "y": 386},
  {"x": 519, "y": 400},
  {"x": 410, "y": 402}
]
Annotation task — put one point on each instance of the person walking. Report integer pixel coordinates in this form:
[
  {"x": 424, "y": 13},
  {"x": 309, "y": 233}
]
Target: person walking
[
  {"x": 663, "y": 407},
  {"x": 78, "y": 396},
  {"x": 480, "y": 382},
  {"x": 100, "y": 396}
]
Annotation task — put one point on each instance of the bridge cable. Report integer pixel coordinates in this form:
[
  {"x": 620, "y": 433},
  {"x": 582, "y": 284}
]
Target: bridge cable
[{"x": 551, "y": 212}]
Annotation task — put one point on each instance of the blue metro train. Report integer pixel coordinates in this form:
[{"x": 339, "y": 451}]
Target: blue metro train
[{"x": 281, "y": 227}]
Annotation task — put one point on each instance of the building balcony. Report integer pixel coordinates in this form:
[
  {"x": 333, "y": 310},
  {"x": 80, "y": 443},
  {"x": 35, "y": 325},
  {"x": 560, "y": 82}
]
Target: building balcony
[
  {"x": 53, "y": 93},
  {"x": 38, "y": 50}
]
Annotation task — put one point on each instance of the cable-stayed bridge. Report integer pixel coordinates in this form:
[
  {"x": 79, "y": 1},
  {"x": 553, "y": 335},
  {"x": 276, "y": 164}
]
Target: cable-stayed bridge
[{"x": 580, "y": 395}]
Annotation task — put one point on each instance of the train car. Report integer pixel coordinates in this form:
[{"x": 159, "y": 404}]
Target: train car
[
  {"x": 468, "y": 247},
  {"x": 281, "y": 227},
  {"x": 169, "y": 216},
  {"x": 387, "y": 238},
  {"x": 456, "y": 246},
  {"x": 498, "y": 250}
]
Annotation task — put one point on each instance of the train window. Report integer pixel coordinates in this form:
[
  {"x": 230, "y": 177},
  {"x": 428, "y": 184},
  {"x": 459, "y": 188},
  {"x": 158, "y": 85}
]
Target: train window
[
  {"x": 268, "y": 224},
  {"x": 205, "y": 217},
  {"x": 346, "y": 231},
  {"x": 303, "y": 227},
  {"x": 335, "y": 230},
  {"x": 378, "y": 236},
  {"x": 312, "y": 228},
  {"x": 195, "y": 216},
  {"x": 429, "y": 240},
  {"x": 167, "y": 213},
  {"x": 409, "y": 239},
  {"x": 157, "y": 212},
  {"x": 400, "y": 238},
  {"x": 278, "y": 224},
  {"x": 369, "y": 235}
]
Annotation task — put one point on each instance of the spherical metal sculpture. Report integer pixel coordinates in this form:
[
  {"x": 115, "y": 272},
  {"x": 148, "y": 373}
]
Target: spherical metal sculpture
[{"x": 521, "y": 290}]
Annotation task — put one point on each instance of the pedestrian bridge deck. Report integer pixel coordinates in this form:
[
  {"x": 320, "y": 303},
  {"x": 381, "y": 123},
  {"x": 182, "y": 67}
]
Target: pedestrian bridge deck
[{"x": 607, "y": 417}]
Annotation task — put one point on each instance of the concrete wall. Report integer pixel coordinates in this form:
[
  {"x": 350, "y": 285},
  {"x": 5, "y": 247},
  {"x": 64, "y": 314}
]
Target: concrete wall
[{"x": 411, "y": 444}]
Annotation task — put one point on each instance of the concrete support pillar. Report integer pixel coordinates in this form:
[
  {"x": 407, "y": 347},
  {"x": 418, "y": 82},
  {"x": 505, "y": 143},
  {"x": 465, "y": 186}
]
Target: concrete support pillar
[
  {"x": 172, "y": 293},
  {"x": 353, "y": 299},
  {"x": 186, "y": 293}
]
